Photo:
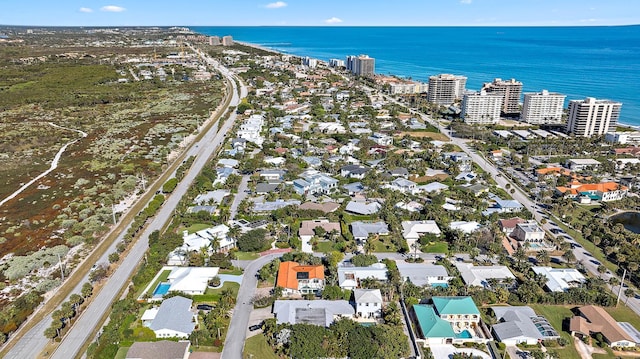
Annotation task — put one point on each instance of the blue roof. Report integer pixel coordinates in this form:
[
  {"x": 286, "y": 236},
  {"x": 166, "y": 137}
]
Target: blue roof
[
  {"x": 431, "y": 325},
  {"x": 455, "y": 305}
]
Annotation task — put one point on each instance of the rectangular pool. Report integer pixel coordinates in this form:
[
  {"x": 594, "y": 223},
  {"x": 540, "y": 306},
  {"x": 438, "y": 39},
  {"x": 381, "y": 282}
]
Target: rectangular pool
[{"x": 161, "y": 289}]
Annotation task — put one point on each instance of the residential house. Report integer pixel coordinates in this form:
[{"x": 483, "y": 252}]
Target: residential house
[
  {"x": 399, "y": 172},
  {"x": 163, "y": 349},
  {"x": 228, "y": 162},
  {"x": 354, "y": 171},
  {"x": 560, "y": 279},
  {"x": 412, "y": 230},
  {"x": 211, "y": 240},
  {"x": 174, "y": 318},
  {"x": 605, "y": 191},
  {"x": 354, "y": 188},
  {"x": 368, "y": 303},
  {"x": 349, "y": 276},
  {"x": 477, "y": 189},
  {"x": 251, "y": 128},
  {"x": 363, "y": 208},
  {"x": 593, "y": 319},
  {"x": 503, "y": 206},
  {"x": 402, "y": 185},
  {"x": 460, "y": 159},
  {"x": 448, "y": 320},
  {"x": 300, "y": 279},
  {"x": 464, "y": 226},
  {"x": 421, "y": 274},
  {"x": 266, "y": 188},
  {"x": 268, "y": 206},
  {"x": 191, "y": 280},
  {"x": 509, "y": 225},
  {"x": 529, "y": 234},
  {"x": 317, "y": 183},
  {"x": 381, "y": 139},
  {"x": 212, "y": 196},
  {"x": 433, "y": 187},
  {"x": 222, "y": 174},
  {"x": 521, "y": 325},
  {"x": 326, "y": 207},
  {"x": 411, "y": 206},
  {"x": 482, "y": 276},
  {"x": 316, "y": 312},
  {"x": 272, "y": 175},
  {"x": 362, "y": 230},
  {"x": 307, "y": 228}
]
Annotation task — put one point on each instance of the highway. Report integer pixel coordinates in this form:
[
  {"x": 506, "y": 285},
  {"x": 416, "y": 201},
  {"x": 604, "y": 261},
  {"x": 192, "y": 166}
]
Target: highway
[{"x": 33, "y": 342}]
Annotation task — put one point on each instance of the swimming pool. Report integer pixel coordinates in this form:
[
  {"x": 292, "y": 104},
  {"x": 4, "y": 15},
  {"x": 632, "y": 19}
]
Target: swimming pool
[
  {"x": 161, "y": 289},
  {"x": 465, "y": 334}
]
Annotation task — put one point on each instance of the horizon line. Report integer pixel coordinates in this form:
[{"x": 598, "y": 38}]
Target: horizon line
[{"x": 312, "y": 26}]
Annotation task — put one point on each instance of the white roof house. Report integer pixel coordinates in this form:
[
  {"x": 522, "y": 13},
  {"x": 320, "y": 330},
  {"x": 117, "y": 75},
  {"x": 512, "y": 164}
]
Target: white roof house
[
  {"x": 316, "y": 312},
  {"x": 422, "y": 274},
  {"x": 362, "y": 230},
  {"x": 479, "y": 275},
  {"x": 191, "y": 280},
  {"x": 363, "y": 208},
  {"x": 518, "y": 325},
  {"x": 174, "y": 318},
  {"x": 560, "y": 279},
  {"x": 349, "y": 276},
  {"x": 205, "y": 238},
  {"x": 412, "y": 230},
  {"x": 368, "y": 302},
  {"x": 464, "y": 226}
]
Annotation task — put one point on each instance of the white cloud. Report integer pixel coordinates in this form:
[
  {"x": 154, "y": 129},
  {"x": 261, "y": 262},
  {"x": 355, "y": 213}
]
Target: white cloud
[
  {"x": 112, "y": 8},
  {"x": 86, "y": 9},
  {"x": 333, "y": 20},
  {"x": 276, "y": 5},
  {"x": 465, "y": 1}
]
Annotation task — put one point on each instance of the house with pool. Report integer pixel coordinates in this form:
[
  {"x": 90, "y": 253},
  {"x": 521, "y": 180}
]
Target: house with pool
[
  {"x": 448, "y": 320},
  {"x": 188, "y": 280}
]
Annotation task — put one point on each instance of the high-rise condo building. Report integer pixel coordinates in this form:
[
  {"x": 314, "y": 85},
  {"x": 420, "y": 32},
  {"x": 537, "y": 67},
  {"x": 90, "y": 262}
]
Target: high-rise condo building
[
  {"x": 481, "y": 108},
  {"x": 309, "y": 62},
  {"x": 214, "y": 40},
  {"x": 511, "y": 90},
  {"x": 445, "y": 89},
  {"x": 592, "y": 117},
  {"x": 362, "y": 65},
  {"x": 543, "y": 108},
  {"x": 336, "y": 63},
  {"x": 227, "y": 40}
]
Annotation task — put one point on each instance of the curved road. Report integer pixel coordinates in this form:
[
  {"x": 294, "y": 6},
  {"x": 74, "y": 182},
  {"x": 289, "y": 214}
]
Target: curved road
[{"x": 33, "y": 342}]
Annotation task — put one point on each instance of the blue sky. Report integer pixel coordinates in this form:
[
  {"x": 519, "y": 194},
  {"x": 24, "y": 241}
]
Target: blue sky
[{"x": 320, "y": 12}]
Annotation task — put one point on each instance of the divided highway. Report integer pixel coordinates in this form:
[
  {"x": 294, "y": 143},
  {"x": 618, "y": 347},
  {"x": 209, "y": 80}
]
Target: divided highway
[{"x": 33, "y": 342}]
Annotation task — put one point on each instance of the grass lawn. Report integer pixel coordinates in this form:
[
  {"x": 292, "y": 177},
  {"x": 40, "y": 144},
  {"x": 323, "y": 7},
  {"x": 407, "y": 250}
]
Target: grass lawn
[
  {"x": 421, "y": 134},
  {"x": 595, "y": 251},
  {"x": 324, "y": 246},
  {"x": 246, "y": 256},
  {"x": 384, "y": 245},
  {"x": 436, "y": 247},
  {"x": 555, "y": 314},
  {"x": 213, "y": 295},
  {"x": 234, "y": 271},
  {"x": 257, "y": 347},
  {"x": 122, "y": 353},
  {"x": 162, "y": 278},
  {"x": 197, "y": 227},
  {"x": 622, "y": 313}
]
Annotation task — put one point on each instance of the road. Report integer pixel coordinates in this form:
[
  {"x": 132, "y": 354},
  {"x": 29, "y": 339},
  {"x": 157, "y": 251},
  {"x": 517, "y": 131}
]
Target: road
[
  {"x": 234, "y": 343},
  {"x": 33, "y": 342},
  {"x": 240, "y": 196}
]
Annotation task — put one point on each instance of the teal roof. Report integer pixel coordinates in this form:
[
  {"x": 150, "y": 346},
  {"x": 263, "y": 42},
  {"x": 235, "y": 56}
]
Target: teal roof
[
  {"x": 431, "y": 325},
  {"x": 455, "y": 305}
]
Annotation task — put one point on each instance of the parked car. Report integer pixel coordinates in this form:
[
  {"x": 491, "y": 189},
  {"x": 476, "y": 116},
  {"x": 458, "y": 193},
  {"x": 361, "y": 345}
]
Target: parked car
[
  {"x": 204, "y": 307},
  {"x": 256, "y": 326}
]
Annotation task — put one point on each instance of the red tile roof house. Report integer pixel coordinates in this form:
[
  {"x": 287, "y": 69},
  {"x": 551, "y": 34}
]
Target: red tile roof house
[{"x": 294, "y": 278}]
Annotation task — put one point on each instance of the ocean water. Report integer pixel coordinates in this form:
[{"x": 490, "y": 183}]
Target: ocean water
[{"x": 601, "y": 62}]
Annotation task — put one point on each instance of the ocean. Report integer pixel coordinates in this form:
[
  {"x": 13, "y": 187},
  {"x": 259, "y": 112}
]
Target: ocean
[{"x": 601, "y": 62}]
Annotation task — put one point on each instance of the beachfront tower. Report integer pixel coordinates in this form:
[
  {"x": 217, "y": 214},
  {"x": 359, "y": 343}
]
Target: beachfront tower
[
  {"x": 445, "y": 89},
  {"x": 543, "y": 108},
  {"x": 592, "y": 117},
  {"x": 227, "y": 40},
  {"x": 510, "y": 90},
  {"x": 362, "y": 65},
  {"x": 481, "y": 108}
]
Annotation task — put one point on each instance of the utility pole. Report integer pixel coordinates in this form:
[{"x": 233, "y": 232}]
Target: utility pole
[
  {"x": 61, "y": 269},
  {"x": 621, "y": 286}
]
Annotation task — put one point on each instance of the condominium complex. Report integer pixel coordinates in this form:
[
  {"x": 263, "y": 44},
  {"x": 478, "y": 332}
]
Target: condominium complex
[
  {"x": 309, "y": 62},
  {"x": 510, "y": 90},
  {"x": 592, "y": 117},
  {"x": 481, "y": 107},
  {"x": 445, "y": 89},
  {"x": 362, "y": 65},
  {"x": 227, "y": 40},
  {"x": 407, "y": 88},
  {"x": 543, "y": 108},
  {"x": 214, "y": 41},
  {"x": 336, "y": 63}
]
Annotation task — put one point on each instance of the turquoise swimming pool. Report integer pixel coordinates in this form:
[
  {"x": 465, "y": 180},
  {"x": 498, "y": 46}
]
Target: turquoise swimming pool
[
  {"x": 161, "y": 289},
  {"x": 465, "y": 334}
]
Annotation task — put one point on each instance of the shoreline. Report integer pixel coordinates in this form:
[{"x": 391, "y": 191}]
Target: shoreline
[{"x": 633, "y": 127}]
